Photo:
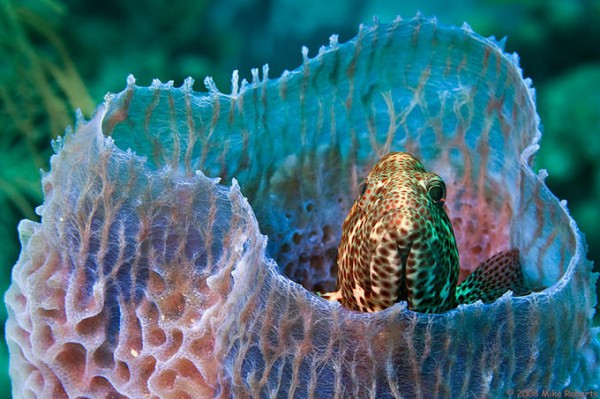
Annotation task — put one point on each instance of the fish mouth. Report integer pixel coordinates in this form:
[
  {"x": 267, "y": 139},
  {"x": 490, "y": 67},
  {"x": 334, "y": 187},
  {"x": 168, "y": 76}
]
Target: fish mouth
[{"x": 402, "y": 287}]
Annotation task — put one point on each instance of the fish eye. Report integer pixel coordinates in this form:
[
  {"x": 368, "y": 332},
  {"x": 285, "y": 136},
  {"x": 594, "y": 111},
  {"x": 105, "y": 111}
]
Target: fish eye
[
  {"x": 437, "y": 192},
  {"x": 362, "y": 188}
]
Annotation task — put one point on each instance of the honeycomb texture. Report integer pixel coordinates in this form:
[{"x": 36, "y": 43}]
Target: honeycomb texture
[{"x": 182, "y": 233}]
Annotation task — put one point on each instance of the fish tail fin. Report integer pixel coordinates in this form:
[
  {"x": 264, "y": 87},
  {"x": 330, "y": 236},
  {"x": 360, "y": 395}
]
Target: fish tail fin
[{"x": 497, "y": 275}]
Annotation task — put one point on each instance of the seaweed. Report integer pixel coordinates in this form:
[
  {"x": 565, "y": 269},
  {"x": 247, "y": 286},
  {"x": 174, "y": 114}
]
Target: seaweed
[{"x": 39, "y": 90}]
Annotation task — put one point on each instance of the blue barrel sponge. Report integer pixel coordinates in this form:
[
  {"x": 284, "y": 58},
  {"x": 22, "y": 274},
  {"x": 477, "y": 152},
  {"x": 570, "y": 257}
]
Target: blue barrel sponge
[{"x": 184, "y": 233}]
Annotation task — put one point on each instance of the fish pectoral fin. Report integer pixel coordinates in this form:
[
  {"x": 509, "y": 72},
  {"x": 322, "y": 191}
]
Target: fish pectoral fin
[
  {"x": 493, "y": 278},
  {"x": 331, "y": 296}
]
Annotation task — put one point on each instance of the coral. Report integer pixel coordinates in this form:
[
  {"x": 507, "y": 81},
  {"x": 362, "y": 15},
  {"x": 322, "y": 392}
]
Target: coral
[{"x": 151, "y": 274}]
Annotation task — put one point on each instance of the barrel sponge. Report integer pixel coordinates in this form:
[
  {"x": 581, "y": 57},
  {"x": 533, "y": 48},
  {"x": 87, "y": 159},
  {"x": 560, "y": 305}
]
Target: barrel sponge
[{"x": 182, "y": 233}]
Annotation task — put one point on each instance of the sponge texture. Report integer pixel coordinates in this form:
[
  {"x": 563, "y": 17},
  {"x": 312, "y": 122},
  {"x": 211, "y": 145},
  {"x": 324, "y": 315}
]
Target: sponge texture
[{"x": 182, "y": 233}]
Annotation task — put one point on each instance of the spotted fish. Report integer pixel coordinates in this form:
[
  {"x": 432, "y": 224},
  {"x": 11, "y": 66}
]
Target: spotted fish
[{"x": 398, "y": 245}]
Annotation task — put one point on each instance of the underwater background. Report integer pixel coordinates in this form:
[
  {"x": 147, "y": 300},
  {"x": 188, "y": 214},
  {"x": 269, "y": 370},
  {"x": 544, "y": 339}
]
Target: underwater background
[{"x": 56, "y": 56}]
